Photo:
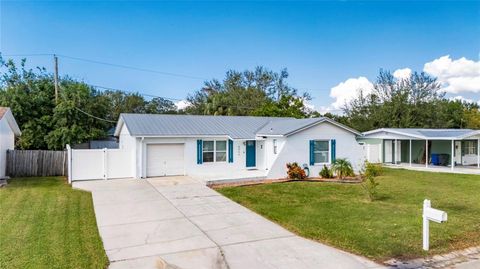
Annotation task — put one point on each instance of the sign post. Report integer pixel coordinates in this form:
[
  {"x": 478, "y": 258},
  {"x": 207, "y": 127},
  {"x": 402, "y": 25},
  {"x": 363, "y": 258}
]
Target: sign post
[{"x": 430, "y": 214}]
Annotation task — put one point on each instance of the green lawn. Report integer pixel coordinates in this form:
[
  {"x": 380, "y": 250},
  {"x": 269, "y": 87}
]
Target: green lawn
[
  {"x": 341, "y": 215},
  {"x": 44, "y": 223}
]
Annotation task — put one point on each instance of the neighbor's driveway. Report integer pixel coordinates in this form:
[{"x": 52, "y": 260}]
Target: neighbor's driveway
[{"x": 181, "y": 223}]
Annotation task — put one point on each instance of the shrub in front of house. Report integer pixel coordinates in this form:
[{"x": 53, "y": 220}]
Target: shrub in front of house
[
  {"x": 294, "y": 171},
  {"x": 342, "y": 168},
  {"x": 373, "y": 169},
  {"x": 370, "y": 171},
  {"x": 326, "y": 172}
]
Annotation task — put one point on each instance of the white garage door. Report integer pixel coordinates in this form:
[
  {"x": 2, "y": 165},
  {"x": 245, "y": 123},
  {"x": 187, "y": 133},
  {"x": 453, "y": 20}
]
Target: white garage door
[{"x": 165, "y": 160}]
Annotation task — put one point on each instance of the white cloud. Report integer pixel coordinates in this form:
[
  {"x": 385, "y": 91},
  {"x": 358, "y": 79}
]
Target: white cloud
[
  {"x": 461, "y": 98},
  {"x": 349, "y": 90},
  {"x": 461, "y": 75},
  {"x": 182, "y": 104},
  {"x": 402, "y": 73}
]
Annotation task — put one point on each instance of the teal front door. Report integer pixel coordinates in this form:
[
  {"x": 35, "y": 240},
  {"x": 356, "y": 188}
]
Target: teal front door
[{"x": 251, "y": 162}]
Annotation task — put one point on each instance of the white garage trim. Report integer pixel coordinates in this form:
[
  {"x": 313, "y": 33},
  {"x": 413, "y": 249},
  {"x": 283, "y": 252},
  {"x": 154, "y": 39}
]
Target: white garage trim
[{"x": 165, "y": 159}]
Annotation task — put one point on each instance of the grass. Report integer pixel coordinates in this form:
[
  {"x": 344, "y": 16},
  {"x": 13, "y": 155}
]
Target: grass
[
  {"x": 44, "y": 223},
  {"x": 391, "y": 227}
]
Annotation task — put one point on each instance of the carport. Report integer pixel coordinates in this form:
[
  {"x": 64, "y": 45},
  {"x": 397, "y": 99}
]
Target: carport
[{"x": 428, "y": 147}]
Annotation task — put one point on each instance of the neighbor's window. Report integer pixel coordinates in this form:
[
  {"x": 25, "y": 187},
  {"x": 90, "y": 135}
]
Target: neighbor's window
[
  {"x": 221, "y": 151},
  {"x": 469, "y": 148},
  {"x": 321, "y": 151},
  {"x": 214, "y": 151},
  {"x": 274, "y": 146}
]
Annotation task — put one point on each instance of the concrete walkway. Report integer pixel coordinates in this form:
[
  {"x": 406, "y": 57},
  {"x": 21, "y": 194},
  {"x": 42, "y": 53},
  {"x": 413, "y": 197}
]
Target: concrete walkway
[{"x": 178, "y": 222}]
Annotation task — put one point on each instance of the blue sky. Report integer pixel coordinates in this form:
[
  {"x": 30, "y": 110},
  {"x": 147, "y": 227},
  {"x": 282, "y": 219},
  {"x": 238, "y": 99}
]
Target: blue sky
[{"x": 320, "y": 43}]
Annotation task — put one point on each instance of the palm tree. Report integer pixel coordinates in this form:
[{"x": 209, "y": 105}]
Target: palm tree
[{"x": 342, "y": 168}]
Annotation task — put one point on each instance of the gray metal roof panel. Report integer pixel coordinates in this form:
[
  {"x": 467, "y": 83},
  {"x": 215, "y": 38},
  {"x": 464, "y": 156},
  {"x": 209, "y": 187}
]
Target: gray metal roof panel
[
  {"x": 431, "y": 133},
  {"x": 287, "y": 126},
  {"x": 237, "y": 127}
]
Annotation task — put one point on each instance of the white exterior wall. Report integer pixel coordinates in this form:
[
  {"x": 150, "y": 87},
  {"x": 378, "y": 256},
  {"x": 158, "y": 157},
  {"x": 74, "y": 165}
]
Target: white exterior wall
[
  {"x": 213, "y": 170},
  {"x": 296, "y": 148},
  {"x": 7, "y": 141}
]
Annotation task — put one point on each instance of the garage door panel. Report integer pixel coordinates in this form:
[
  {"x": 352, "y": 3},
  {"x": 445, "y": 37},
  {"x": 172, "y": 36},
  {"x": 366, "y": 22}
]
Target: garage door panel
[{"x": 165, "y": 160}]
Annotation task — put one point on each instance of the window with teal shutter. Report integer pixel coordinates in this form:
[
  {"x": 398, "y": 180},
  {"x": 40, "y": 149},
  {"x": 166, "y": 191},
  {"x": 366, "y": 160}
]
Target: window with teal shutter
[
  {"x": 199, "y": 151},
  {"x": 230, "y": 151},
  {"x": 312, "y": 158},
  {"x": 334, "y": 151}
]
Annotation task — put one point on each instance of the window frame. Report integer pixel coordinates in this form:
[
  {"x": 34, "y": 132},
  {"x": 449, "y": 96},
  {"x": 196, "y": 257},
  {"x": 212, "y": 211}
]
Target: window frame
[
  {"x": 470, "y": 146},
  {"x": 275, "y": 146},
  {"x": 215, "y": 150},
  {"x": 329, "y": 151}
]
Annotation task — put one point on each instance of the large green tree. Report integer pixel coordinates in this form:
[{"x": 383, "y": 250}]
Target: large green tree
[
  {"x": 258, "y": 92},
  {"x": 81, "y": 114},
  {"x": 413, "y": 102}
]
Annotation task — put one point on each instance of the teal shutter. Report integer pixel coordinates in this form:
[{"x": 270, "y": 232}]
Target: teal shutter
[
  {"x": 230, "y": 151},
  {"x": 333, "y": 150},
  {"x": 199, "y": 151},
  {"x": 312, "y": 157}
]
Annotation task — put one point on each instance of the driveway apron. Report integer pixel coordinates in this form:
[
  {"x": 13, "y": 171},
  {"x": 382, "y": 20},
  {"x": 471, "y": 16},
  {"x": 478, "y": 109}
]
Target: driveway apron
[{"x": 178, "y": 222}]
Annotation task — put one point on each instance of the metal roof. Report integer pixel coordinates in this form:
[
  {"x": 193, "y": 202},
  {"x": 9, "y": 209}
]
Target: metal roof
[
  {"x": 427, "y": 133},
  {"x": 235, "y": 127},
  {"x": 286, "y": 126}
]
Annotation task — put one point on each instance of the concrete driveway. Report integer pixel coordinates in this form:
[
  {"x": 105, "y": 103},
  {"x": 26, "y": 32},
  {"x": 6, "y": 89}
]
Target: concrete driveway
[{"x": 178, "y": 222}]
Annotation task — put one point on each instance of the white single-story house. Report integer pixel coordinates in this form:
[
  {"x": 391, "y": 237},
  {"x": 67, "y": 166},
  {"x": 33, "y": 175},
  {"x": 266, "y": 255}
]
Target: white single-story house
[
  {"x": 428, "y": 147},
  {"x": 8, "y": 130},
  {"x": 216, "y": 147}
]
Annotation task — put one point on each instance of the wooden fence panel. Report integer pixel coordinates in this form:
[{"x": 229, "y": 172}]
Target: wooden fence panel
[{"x": 35, "y": 163}]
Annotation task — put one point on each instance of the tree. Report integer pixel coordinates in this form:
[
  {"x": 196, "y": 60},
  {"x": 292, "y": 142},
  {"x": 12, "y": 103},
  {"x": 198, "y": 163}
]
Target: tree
[
  {"x": 413, "y": 102},
  {"x": 260, "y": 92},
  {"x": 82, "y": 113}
]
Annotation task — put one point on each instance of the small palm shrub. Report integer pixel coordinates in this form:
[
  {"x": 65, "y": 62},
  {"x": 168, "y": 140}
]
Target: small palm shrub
[
  {"x": 294, "y": 171},
  {"x": 342, "y": 168},
  {"x": 326, "y": 172}
]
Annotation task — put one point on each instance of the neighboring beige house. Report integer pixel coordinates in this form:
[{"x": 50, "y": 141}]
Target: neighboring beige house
[{"x": 8, "y": 130}]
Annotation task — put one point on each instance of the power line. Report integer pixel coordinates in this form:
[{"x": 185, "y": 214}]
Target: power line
[
  {"x": 108, "y": 64},
  {"x": 28, "y": 55},
  {"x": 143, "y": 94},
  {"x": 95, "y": 117},
  {"x": 131, "y": 67}
]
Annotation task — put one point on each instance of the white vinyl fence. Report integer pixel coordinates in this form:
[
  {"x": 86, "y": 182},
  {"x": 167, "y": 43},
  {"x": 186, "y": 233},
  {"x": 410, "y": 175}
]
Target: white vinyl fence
[{"x": 91, "y": 164}]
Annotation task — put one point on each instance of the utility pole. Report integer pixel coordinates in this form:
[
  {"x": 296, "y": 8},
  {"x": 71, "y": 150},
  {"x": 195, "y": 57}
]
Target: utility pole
[{"x": 55, "y": 77}]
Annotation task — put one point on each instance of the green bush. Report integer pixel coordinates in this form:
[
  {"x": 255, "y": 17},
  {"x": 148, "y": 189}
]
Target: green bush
[
  {"x": 326, "y": 172},
  {"x": 370, "y": 171},
  {"x": 295, "y": 171},
  {"x": 370, "y": 186},
  {"x": 342, "y": 168},
  {"x": 373, "y": 169}
]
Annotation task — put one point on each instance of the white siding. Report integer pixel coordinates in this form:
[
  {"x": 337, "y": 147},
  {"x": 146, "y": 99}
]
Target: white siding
[
  {"x": 296, "y": 149},
  {"x": 7, "y": 141},
  {"x": 207, "y": 170},
  {"x": 289, "y": 149}
]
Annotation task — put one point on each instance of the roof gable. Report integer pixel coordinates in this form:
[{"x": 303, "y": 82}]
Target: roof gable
[{"x": 6, "y": 114}]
